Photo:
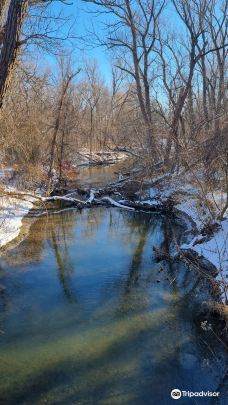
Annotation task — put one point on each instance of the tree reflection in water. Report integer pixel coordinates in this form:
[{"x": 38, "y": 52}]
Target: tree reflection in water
[
  {"x": 63, "y": 261},
  {"x": 124, "y": 338}
]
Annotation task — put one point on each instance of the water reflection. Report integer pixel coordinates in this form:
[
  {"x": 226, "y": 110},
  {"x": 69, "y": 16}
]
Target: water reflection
[
  {"x": 63, "y": 260},
  {"x": 92, "y": 319},
  {"x": 101, "y": 175}
]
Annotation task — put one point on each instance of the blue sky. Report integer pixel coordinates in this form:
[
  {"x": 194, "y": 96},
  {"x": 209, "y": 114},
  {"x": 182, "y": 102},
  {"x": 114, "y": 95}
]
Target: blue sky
[
  {"x": 84, "y": 22},
  {"x": 85, "y": 19}
]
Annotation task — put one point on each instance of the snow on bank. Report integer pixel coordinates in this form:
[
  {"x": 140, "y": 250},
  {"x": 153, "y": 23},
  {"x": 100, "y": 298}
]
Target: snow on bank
[
  {"x": 190, "y": 205},
  {"x": 85, "y": 158},
  {"x": 12, "y": 212},
  {"x": 213, "y": 248},
  {"x": 188, "y": 199}
]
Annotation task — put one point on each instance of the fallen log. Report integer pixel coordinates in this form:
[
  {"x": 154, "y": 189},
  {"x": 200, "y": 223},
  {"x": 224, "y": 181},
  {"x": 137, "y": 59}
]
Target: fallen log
[
  {"x": 86, "y": 198},
  {"x": 63, "y": 198},
  {"x": 116, "y": 203}
]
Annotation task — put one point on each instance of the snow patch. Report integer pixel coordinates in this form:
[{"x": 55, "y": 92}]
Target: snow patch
[
  {"x": 12, "y": 212},
  {"x": 152, "y": 202},
  {"x": 215, "y": 250}
]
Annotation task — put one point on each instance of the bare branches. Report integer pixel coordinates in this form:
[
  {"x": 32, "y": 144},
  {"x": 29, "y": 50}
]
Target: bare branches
[
  {"x": 68, "y": 76},
  {"x": 14, "y": 14},
  {"x": 132, "y": 35}
]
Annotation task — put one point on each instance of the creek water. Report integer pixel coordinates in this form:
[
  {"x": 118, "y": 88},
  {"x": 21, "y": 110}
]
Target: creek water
[
  {"x": 88, "y": 315},
  {"x": 100, "y": 175}
]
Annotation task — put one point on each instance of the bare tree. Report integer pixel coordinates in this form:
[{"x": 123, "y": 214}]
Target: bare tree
[
  {"x": 67, "y": 77},
  {"x": 92, "y": 95},
  {"x": 133, "y": 35},
  {"x": 193, "y": 15}
]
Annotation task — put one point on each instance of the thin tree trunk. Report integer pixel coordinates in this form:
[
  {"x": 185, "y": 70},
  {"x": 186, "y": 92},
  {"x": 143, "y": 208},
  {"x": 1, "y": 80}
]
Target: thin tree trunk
[
  {"x": 56, "y": 129},
  {"x": 91, "y": 133},
  {"x": 61, "y": 155},
  {"x": 178, "y": 109},
  {"x": 205, "y": 108}
]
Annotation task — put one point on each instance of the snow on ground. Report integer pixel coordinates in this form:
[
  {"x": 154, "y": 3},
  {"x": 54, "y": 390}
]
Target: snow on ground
[
  {"x": 151, "y": 202},
  {"x": 188, "y": 199},
  {"x": 12, "y": 212},
  {"x": 213, "y": 248},
  {"x": 192, "y": 206}
]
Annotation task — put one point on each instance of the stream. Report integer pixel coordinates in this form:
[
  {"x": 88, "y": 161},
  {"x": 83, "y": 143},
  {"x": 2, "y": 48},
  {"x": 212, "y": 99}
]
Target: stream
[
  {"x": 89, "y": 316},
  {"x": 99, "y": 176}
]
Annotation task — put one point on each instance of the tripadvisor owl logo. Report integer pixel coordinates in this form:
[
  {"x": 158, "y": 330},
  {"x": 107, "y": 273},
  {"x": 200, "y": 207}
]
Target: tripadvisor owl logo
[{"x": 176, "y": 394}]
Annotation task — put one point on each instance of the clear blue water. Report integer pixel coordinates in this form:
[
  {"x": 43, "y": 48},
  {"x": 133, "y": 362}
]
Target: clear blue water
[{"x": 88, "y": 316}]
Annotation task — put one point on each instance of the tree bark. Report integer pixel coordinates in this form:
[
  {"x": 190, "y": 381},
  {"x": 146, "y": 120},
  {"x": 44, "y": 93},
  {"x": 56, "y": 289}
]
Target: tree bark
[
  {"x": 10, "y": 48},
  {"x": 3, "y": 4}
]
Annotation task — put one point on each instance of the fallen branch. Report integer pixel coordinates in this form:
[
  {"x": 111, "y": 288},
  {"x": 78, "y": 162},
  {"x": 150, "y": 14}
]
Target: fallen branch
[
  {"x": 116, "y": 204},
  {"x": 63, "y": 198}
]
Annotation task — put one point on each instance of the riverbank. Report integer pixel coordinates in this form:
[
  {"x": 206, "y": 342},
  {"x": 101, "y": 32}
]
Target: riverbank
[
  {"x": 12, "y": 212},
  {"x": 201, "y": 214},
  {"x": 14, "y": 209}
]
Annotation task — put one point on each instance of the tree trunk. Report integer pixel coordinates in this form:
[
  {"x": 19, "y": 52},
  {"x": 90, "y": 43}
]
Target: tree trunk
[
  {"x": 178, "y": 109},
  {"x": 56, "y": 129},
  {"x": 205, "y": 109},
  {"x": 3, "y": 4},
  {"x": 10, "y": 48}
]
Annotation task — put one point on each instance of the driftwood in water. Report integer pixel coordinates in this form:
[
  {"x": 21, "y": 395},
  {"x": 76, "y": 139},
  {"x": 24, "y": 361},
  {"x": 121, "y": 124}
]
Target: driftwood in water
[
  {"x": 111, "y": 195},
  {"x": 64, "y": 202}
]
